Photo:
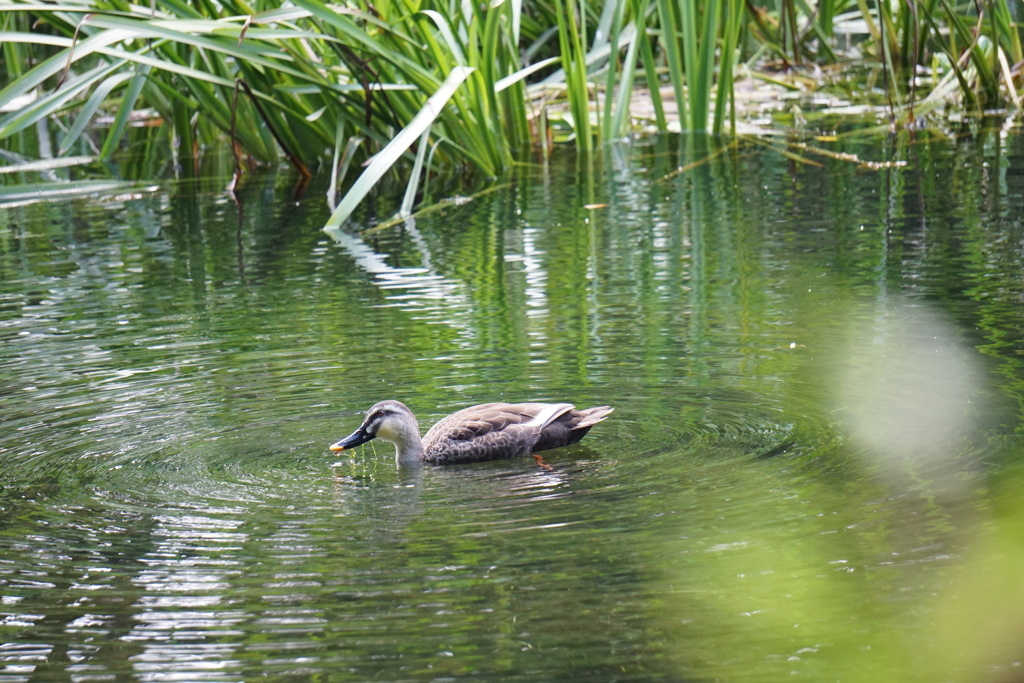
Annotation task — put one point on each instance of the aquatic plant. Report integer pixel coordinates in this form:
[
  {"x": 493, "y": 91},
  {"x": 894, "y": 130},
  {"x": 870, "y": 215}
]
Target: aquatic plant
[{"x": 455, "y": 83}]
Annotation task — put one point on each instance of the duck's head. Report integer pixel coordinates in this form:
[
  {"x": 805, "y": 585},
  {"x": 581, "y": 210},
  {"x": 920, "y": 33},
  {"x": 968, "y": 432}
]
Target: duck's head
[{"x": 388, "y": 420}]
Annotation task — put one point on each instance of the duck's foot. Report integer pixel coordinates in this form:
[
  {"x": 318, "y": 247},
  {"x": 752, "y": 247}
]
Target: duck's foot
[{"x": 540, "y": 462}]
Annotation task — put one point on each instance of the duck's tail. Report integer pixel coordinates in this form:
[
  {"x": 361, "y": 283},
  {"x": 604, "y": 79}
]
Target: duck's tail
[
  {"x": 591, "y": 416},
  {"x": 570, "y": 427}
]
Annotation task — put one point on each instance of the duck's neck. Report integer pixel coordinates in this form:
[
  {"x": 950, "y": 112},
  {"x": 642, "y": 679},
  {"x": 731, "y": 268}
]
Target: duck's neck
[{"x": 408, "y": 447}]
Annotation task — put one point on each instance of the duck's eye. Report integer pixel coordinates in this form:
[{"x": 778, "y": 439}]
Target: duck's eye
[{"x": 380, "y": 413}]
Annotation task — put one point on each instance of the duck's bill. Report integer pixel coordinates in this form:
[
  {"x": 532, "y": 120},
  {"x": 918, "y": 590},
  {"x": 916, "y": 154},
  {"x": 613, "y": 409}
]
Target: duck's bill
[{"x": 360, "y": 436}]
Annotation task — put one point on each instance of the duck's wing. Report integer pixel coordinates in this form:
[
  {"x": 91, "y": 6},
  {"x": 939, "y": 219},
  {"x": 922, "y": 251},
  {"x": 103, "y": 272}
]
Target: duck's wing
[{"x": 491, "y": 431}]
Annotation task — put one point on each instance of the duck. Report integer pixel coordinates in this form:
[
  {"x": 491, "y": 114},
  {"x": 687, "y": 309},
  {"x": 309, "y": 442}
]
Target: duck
[{"x": 490, "y": 431}]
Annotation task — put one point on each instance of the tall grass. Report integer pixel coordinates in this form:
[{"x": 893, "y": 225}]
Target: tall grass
[{"x": 311, "y": 79}]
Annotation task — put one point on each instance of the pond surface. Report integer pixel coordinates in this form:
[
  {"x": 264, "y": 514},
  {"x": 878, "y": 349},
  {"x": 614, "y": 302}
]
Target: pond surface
[{"x": 812, "y": 471}]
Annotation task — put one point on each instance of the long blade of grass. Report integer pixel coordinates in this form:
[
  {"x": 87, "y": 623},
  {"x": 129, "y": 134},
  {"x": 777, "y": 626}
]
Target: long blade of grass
[
  {"x": 414, "y": 178},
  {"x": 1007, "y": 31},
  {"x": 397, "y": 147},
  {"x": 20, "y": 195},
  {"x": 53, "y": 102},
  {"x": 42, "y": 165},
  {"x": 522, "y": 74},
  {"x": 517, "y": 20},
  {"x": 869, "y": 21},
  {"x": 689, "y": 34},
  {"x": 1004, "y": 67},
  {"x": 358, "y": 36},
  {"x": 332, "y": 188},
  {"x": 726, "y": 67},
  {"x": 52, "y": 66},
  {"x": 613, "y": 69},
  {"x": 616, "y": 122},
  {"x": 223, "y": 40},
  {"x": 574, "y": 65},
  {"x": 446, "y": 33},
  {"x": 973, "y": 41},
  {"x": 341, "y": 168},
  {"x": 670, "y": 44},
  {"x": 653, "y": 82},
  {"x": 85, "y": 114},
  {"x": 124, "y": 112}
]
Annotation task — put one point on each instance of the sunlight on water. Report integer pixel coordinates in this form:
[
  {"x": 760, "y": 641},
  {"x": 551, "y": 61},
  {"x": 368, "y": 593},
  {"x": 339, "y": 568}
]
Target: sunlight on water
[{"x": 812, "y": 470}]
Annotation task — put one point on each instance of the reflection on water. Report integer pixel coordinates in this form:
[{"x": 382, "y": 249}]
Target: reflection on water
[{"x": 817, "y": 384}]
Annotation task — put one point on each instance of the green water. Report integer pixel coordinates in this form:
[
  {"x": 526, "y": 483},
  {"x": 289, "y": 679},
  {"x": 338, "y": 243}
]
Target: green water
[{"x": 812, "y": 471}]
